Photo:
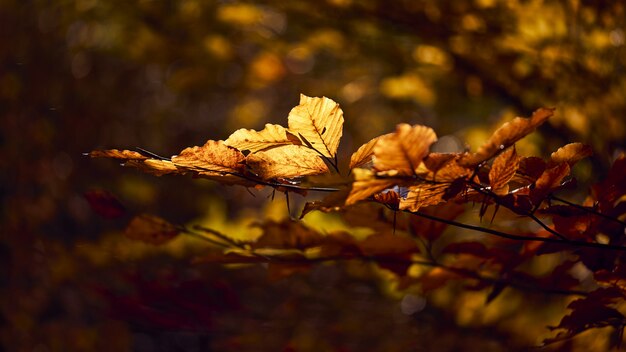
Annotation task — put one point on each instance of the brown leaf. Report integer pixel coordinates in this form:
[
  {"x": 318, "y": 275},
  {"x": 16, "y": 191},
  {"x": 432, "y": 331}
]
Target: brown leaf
[
  {"x": 391, "y": 198},
  {"x": 402, "y": 152},
  {"x": 332, "y": 202},
  {"x": 549, "y": 180},
  {"x": 364, "y": 154},
  {"x": 287, "y": 161},
  {"x": 365, "y": 185},
  {"x": 154, "y": 166},
  {"x": 506, "y": 136},
  {"x": 503, "y": 170},
  {"x": 570, "y": 153},
  {"x": 424, "y": 194},
  {"x": 151, "y": 229},
  {"x": 117, "y": 154},
  {"x": 435, "y": 161},
  {"x": 445, "y": 168},
  {"x": 214, "y": 158},
  {"x": 269, "y": 137},
  {"x": 319, "y": 122}
]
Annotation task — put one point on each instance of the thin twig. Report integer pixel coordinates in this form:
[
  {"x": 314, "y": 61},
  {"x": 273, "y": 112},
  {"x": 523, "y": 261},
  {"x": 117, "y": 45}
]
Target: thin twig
[{"x": 587, "y": 209}]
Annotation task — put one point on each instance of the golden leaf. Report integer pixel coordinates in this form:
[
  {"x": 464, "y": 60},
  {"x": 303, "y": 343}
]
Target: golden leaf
[
  {"x": 254, "y": 141},
  {"x": 319, "y": 122},
  {"x": 507, "y": 135},
  {"x": 503, "y": 170},
  {"x": 570, "y": 153},
  {"x": 117, "y": 154},
  {"x": 364, "y": 154},
  {"x": 445, "y": 167},
  {"x": 422, "y": 195},
  {"x": 287, "y": 161},
  {"x": 214, "y": 158},
  {"x": 151, "y": 229},
  {"x": 154, "y": 166},
  {"x": 365, "y": 184},
  {"x": 402, "y": 152}
]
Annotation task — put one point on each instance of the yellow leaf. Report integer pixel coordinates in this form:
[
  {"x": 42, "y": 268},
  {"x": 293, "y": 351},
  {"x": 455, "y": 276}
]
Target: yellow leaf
[
  {"x": 422, "y": 195},
  {"x": 403, "y": 151},
  {"x": 151, "y": 229},
  {"x": 214, "y": 158},
  {"x": 269, "y": 137},
  {"x": 287, "y": 161},
  {"x": 319, "y": 122},
  {"x": 507, "y": 135},
  {"x": 154, "y": 166},
  {"x": 364, "y": 154},
  {"x": 117, "y": 154},
  {"x": 503, "y": 170},
  {"x": 570, "y": 153}
]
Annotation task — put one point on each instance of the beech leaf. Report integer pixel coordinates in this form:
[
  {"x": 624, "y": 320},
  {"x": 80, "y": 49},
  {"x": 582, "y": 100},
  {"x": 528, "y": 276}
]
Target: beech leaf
[
  {"x": 422, "y": 195},
  {"x": 287, "y": 161},
  {"x": 570, "y": 153},
  {"x": 117, "y": 154},
  {"x": 254, "y": 141},
  {"x": 507, "y": 135},
  {"x": 402, "y": 152},
  {"x": 319, "y": 122},
  {"x": 503, "y": 170},
  {"x": 214, "y": 158},
  {"x": 364, "y": 154}
]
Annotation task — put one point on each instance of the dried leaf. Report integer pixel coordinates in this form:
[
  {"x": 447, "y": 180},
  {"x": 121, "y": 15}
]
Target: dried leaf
[
  {"x": 506, "y": 136},
  {"x": 570, "y": 153},
  {"x": 154, "y": 166},
  {"x": 402, "y": 152},
  {"x": 254, "y": 141},
  {"x": 435, "y": 161},
  {"x": 151, "y": 229},
  {"x": 366, "y": 184},
  {"x": 549, "y": 180},
  {"x": 286, "y": 162},
  {"x": 503, "y": 170},
  {"x": 214, "y": 158},
  {"x": 117, "y": 154},
  {"x": 364, "y": 154},
  {"x": 424, "y": 194},
  {"x": 319, "y": 122}
]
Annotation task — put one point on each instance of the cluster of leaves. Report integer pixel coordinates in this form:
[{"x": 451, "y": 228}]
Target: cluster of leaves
[{"x": 399, "y": 172}]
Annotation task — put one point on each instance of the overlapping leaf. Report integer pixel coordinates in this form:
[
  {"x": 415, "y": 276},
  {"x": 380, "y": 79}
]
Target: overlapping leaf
[
  {"x": 507, "y": 135},
  {"x": 214, "y": 158},
  {"x": 401, "y": 153},
  {"x": 319, "y": 122},
  {"x": 570, "y": 153},
  {"x": 364, "y": 154},
  {"x": 503, "y": 170},
  {"x": 288, "y": 161},
  {"x": 254, "y": 141}
]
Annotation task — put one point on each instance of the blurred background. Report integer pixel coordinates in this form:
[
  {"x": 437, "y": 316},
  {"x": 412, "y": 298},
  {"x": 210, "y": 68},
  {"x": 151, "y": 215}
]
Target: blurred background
[{"x": 163, "y": 75}]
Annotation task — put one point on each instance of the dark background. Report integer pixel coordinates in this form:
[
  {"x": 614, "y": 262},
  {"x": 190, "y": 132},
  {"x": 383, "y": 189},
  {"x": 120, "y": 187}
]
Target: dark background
[{"x": 163, "y": 75}]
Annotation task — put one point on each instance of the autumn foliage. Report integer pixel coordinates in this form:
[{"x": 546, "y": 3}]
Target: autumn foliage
[{"x": 408, "y": 196}]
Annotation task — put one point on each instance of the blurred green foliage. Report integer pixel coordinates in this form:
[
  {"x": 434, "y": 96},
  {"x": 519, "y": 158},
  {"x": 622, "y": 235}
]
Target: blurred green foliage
[{"x": 84, "y": 74}]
